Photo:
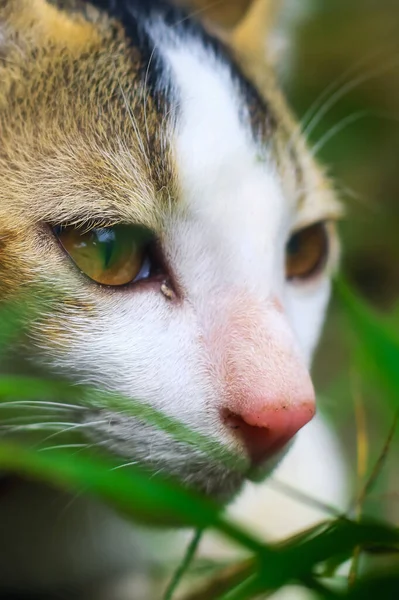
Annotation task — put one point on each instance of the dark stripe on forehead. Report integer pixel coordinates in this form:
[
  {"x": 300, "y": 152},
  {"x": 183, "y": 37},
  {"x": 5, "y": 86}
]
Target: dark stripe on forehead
[
  {"x": 134, "y": 14},
  {"x": 147, "y": 96},
  {"x": 187, "y": 26},
  {"x": 151, "y": 65}
]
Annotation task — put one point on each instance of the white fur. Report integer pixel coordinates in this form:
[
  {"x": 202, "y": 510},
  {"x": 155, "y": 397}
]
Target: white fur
[{"x": 225, "y": 241}]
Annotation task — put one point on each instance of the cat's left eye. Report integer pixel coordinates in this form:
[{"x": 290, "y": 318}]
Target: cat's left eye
[
  {"x": 306, "y": 252},
  {"x": 111, "y": 256}
]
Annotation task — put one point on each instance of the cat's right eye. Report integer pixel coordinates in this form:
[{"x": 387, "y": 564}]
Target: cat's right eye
[{"x": 111, "y": 256}]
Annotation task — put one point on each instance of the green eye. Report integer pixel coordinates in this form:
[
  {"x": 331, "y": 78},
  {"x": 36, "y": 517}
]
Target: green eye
[{"x": 109, "y": 255}]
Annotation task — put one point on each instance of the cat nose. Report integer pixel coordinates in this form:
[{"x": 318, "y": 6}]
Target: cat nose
[{"x": 265, "y": 433}]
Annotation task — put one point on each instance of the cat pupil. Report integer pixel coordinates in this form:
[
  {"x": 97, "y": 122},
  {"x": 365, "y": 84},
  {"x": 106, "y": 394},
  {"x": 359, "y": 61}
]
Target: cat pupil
[
  {"x": 294, "y": 244},
  {"x": 106, "y": 238}
]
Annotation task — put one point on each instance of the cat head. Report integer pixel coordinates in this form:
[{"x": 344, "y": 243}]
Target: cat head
[{"x": 153, "y": 180}]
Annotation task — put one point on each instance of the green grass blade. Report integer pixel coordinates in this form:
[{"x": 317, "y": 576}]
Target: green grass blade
[
  {"x": 134, "y": 493},
  {"x": 31, "y": 388},
  {"x": 377, "y": 343},
  {"x": 382, "y": 587},
  {"x": 295, "y": 562}
]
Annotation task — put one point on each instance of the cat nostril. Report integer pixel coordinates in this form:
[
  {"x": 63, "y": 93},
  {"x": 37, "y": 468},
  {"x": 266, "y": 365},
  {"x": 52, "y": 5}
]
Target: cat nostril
[
  {"x": 263, "y": 441},
  {"x": 257, "y": 440}
]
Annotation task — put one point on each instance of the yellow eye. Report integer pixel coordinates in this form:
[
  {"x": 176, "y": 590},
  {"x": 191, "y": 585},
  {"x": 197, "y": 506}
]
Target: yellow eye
[
  {"x": 110, "y": 255},
  {"x": 306, "y": 252}
]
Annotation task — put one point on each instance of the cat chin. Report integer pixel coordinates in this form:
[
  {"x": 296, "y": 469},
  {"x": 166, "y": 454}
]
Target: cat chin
[
  {"x": 216, "y": 483},
  {"x": 133, "y": 442}
]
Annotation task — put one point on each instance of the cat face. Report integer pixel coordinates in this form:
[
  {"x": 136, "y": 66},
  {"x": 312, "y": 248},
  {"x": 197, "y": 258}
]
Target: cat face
[{"x": 153, "y": 177}]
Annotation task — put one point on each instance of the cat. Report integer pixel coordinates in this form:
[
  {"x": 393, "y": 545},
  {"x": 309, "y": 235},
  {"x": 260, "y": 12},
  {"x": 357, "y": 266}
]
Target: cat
[{"x": 160, "y": 205}]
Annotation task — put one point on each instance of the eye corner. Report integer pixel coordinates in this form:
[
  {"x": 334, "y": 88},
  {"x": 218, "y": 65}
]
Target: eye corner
[{"x": 56, "y": 229}]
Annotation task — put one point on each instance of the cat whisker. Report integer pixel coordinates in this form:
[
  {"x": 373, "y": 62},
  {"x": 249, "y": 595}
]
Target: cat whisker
[
  {"x": 312, "y": 117},
  {"x": 199, "y": 11},
  {"x": 156, "y": 473},
  {"x": 136, "y": 129},
  {"x": 337, "y": 128},
  {"x": 23, "y": 420},
  {"x": 80, "y": 447},
  {"x": 344, "y": 91},
  {"x": 336, "y": 84},
  {"x": 33, "y": 426},
  {"x": 41, "y": 404},
  {"x": 73, "y": 427},
  {"x": 66, "y": 427},
  {"x": 302, "y": 497},
  {"x": 145, "y": 95},
  {"x": 62, "y": 447},
  {"x": 128, "y": 464},
  {"x": 344, "y": 190}
]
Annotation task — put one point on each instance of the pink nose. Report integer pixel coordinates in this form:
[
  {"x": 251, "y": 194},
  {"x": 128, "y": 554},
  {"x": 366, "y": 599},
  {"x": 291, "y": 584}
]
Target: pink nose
[{"x": 263, "y": 435}]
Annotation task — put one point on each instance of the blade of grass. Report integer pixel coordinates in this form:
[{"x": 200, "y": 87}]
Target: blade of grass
[
  {"x": 224, "y": 581},
  {"x": 249, "y": 588},
  {"x": 362, "y": 455},
  {"x": 28, "y": 388},
  {"x": 361, "y": 431},
  {"x": 302, "y": 497},
  {"x": 134, "y": 493},
  {"x": 379, "y": 465},
  {"x": 294, "y": 562},
  {"x": 377, "y": 344},
  {"x": 367, "y": 488},
  {"x": 183, "y": 567},
  {"x": 156, "y": 501},
  {"x": 383, "y": 587}
]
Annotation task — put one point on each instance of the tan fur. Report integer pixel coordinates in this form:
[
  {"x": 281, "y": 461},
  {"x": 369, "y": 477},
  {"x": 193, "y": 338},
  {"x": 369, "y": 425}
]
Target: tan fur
[
  {"x": 83, "y": 143},
  {"x": 78, "y": 154},
  {"x": 43, "y": 24},
  {"x": 71, "y": 155},
  {"x": 253, "y": 30}
]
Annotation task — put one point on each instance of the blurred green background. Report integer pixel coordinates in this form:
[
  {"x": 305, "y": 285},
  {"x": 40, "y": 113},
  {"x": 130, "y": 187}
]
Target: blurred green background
[{"x": 345, "y": 62}]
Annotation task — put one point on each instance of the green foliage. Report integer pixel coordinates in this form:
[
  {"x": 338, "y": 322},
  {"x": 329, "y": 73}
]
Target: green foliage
[
  {"x": 306, "y": 559},
  {"x": 376, "y": 343}
]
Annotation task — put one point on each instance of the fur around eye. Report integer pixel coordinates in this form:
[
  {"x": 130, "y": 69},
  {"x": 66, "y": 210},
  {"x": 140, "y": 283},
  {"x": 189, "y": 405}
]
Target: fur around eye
[
  {"x": 306, "y": 252},
  {"x": 112, "y": 256}
]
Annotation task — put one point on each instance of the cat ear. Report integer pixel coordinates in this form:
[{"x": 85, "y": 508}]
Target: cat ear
[
  {"x": 38, "y": 23},
  {"x": 249, "y": 25},
  {"x": 255, "y": 33},
  {"x": 224, "y": 13}
]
